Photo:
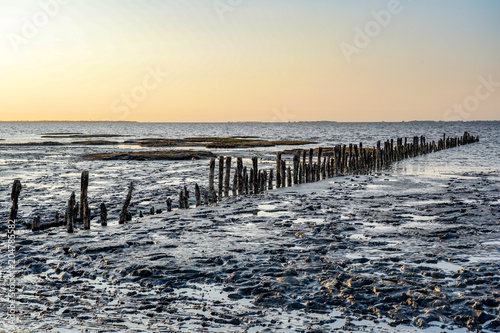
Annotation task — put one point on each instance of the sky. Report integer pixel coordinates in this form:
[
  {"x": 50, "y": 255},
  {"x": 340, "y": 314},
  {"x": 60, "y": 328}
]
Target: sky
[{"x": 249, "y": 60}]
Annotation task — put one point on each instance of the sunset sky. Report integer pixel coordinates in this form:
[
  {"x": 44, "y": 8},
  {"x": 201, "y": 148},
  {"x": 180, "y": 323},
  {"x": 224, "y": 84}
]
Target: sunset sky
[{"x": 255, "y": 60}]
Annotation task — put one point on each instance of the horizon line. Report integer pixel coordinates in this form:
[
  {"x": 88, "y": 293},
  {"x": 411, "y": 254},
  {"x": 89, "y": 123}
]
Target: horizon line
[{"x": 247, "y": 121}]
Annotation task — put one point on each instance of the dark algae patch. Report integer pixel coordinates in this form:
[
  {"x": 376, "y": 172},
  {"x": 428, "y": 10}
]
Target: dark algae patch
[
  {"x": 207, "y": 142},
  {"x": 83, "y": 136},
  {"x": 171, "y": 155}
]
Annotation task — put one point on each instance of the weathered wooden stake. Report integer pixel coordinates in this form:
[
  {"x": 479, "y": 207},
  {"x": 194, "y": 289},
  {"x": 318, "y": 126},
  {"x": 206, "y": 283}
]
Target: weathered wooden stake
[
  {"x": 84, "y": 184},
  {"x": 197, "y": 195},
  {"x": 239, "y": 168},
  {"x": 221, "y": 176},
  {"x": 169, "y": 204},
  {"x": 86, "y": 214},
  {"x": 289, "y": 177},
  {"x": 320, "y": 155},
  {"x": 14, "y": 196},
  {"x": 278, "y": 170},
  {"x": 36, "y": 223},
  {"x": 211, "y": 175},
  {"x": 296, "y": 163},
  {"x": 235, "y": 183},
  {"x": 270, "y": 183},
  {"x": 255, "y": 164},
  {"x": 181, "y": 199},
  {"x": 246, "y": 188},
  {"x": 227, "y": 178},
  {"x": 186, "y": 197},
  {"x": 69, "y": 213},
  {"x": 126, "y": 203},
  {"x": 283, "y": 173},
  {"x": 104, "y": 215}
]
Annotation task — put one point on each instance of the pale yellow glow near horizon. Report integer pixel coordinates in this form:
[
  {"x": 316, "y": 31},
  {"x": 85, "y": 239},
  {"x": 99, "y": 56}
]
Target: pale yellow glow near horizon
[{"x": 249, "y": 67}]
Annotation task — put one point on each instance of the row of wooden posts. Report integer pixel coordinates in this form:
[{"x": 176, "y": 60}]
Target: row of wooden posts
[{"x": 330, "y": 162}]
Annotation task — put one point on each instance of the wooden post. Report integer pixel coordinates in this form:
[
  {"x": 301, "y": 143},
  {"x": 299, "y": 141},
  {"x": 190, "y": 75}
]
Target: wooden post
[
  {"x": 320, "y": 157},
  {"x": 205, "y": 198},
  {"x": 227, "y": 178},
  {"x": 344, "y": 159},
  {"x": 328, "y": 166},
  {"x": 264, "y": 180},
  {"x": 283, "y": 173},
  {"x": 221, "y": 176},
  {"x": 270, "y": 183},
  {"x": 255, "y": 163},
  {"x": 211, "y": 175},
  {"x": 14, "y": 196},
  {"x": 69, "y": 213},
  {"x": 181, "y": 199},
  {"x": 362, "y": 156},
  {"x": 186, "y": 197},
  {"x": 197, "y": 194},
  {"x": 296, "y": 163},
  {"x": 250, "y": 181},
  {"x": 36, "y": 223},
  {"x": 169, "y": 205},
  {"x": 235, "y": 183},
  {"x": 239, "y": 167},
  {"x": 84, "y": 184},
  {"x": 379, "y": 155},
  {"x": 126, "y": 203},
  {"x": 301, "y": 174},
  {"x": 304, "y": 158},
  {"x": 86, "y": 215},
  {"x": 278, "y": 170},
  {"x": 289, "y": 177},
  {"x": 323, "y": 168},
  {"x": 246, "y": 188},
  {"x": 104, "y": 215}
]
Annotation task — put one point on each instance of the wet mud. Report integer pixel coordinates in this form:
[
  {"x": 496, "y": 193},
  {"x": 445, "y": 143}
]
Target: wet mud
[{"x": 387, "y": 252}]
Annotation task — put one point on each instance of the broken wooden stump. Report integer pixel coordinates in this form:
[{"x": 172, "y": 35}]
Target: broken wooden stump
[
  {"x": 70, "y": 213},
  {"x": 14, "y": 196},
  {"x": 104, "y": 215},
  {"x": 36, "y": 223},
  {"x": 126, "y": 203},
  {"x": 197, "y": 195}
]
